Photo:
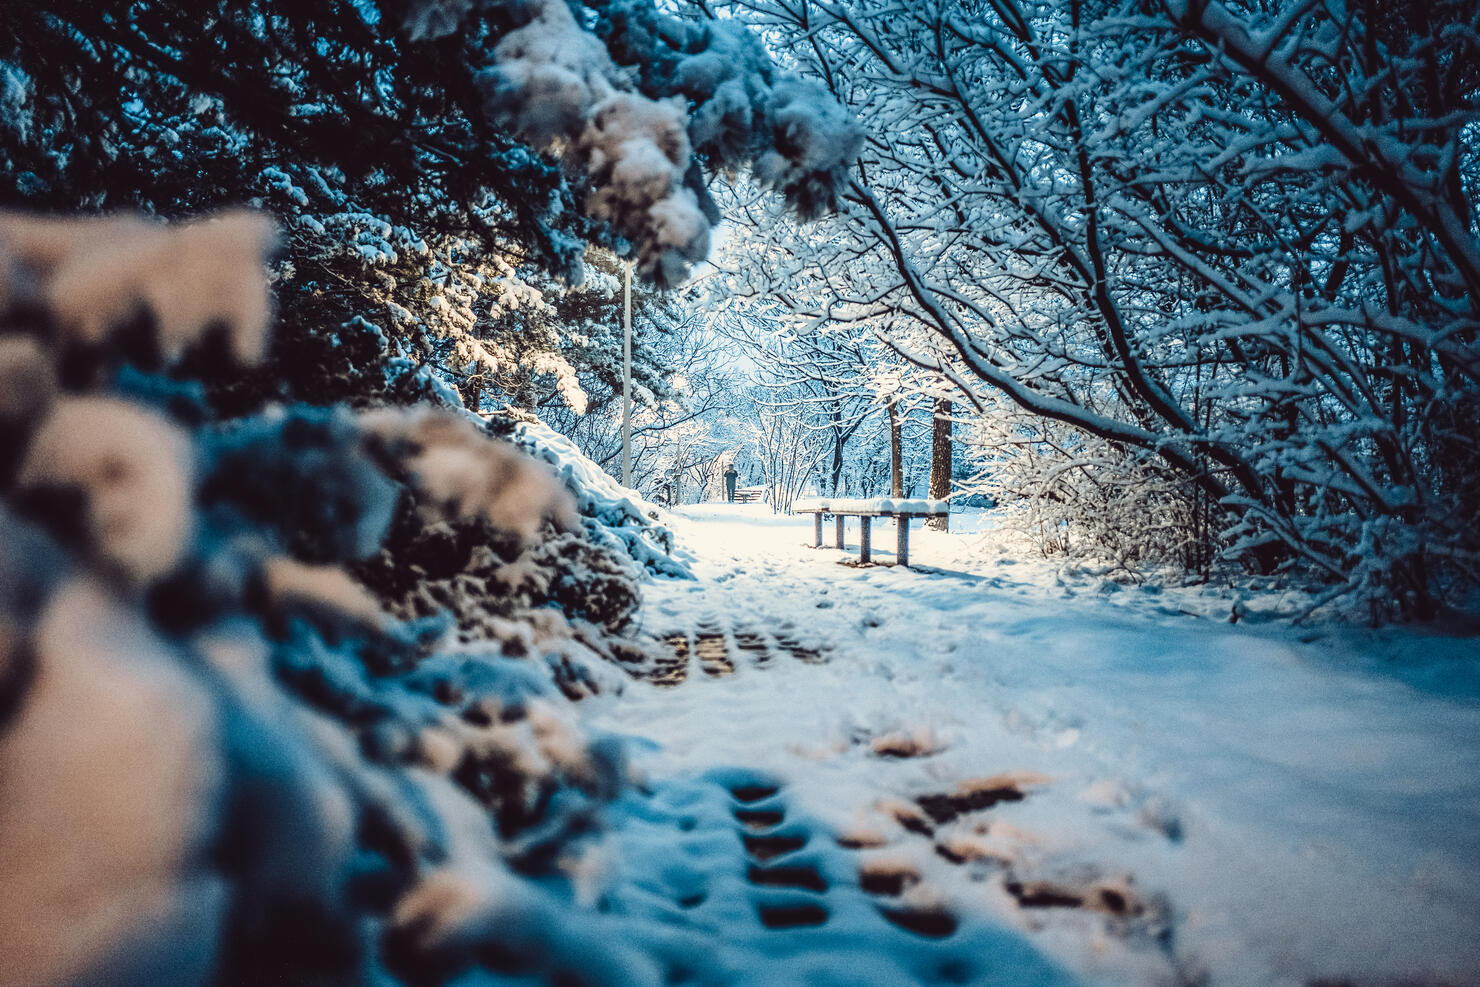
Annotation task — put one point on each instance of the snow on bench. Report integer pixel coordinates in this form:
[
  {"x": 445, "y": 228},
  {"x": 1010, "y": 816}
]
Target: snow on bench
[
  {"x": 903, "y": 510},
  {"x": 872, "y": 506}
]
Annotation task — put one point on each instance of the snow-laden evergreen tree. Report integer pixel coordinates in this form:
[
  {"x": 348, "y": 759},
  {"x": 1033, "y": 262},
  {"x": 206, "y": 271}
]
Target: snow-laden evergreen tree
[{"x": 439, "y": 169}]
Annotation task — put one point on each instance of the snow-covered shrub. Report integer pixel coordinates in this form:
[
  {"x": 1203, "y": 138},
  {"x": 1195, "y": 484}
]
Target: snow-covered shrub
[
  {"x": 281, "y": 696},
  {"x": 1077, "y": 496},
  {"x": 617, "y": 518}
]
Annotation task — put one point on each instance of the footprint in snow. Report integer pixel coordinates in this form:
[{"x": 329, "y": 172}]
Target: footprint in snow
[
  {"x": 710, "y": 649},
  {"x": 1130, "y": 911},
  {"x": 672, "y": 668},
  {"x": 801, "y": 888},
  {"x": 761, "y": 815},
  {"x": 720, "y": 652}
]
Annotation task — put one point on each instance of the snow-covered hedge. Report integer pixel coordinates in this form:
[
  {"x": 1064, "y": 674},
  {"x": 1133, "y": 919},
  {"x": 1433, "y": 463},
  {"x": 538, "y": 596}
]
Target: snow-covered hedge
[
  {"x": 284, "y": 697},
  {"x": 616, "y": 518},
  {"x": 619, "y": 517}
]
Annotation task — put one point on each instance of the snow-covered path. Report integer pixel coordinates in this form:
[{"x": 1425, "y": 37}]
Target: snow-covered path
[{"x": 1231, "y": 804}]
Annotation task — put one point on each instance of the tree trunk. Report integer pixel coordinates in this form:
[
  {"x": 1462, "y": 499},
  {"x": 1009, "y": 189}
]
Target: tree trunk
[
  {"x": 940, "y": 460},
  {"x": 837, "y": 460},
  {"x": 896, "y": 452}
]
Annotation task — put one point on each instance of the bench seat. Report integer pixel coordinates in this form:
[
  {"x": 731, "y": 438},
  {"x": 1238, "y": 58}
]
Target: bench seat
[{"x": 903, "y": 510}]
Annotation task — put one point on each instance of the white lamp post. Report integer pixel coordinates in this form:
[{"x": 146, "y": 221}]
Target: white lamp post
[{"x": 627, "y": 378}]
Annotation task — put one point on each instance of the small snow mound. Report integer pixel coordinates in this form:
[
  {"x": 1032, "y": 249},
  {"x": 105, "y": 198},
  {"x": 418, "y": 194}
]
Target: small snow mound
[{"x": 621, "y": 518}]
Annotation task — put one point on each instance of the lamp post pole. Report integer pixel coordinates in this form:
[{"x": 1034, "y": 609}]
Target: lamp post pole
[{"x": 627, "y": 378}]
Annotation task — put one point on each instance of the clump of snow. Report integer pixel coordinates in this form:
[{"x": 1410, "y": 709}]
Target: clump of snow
[
  {"x": 637, "y": 151},
  {"x": 434, "y": 18},
  {"x": 294, "y": 585},
  {"x": 131, "y": 470},
  {"x": 15, "y": 97},
  {"x": 111, "y": 771},
  {"x": 814, "y": 142},
  {"x": 469, "y": 473},
  {"x": 280, "y": 182},
  {"x": 553, "y": 81},
  {"x": 97, "y": 275},
  {"x": 549, "y": 74}
]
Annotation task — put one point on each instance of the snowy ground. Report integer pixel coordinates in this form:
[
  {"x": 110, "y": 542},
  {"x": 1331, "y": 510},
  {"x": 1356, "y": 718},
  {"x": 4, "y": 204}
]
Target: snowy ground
[{"x": 1106, "y": 788}]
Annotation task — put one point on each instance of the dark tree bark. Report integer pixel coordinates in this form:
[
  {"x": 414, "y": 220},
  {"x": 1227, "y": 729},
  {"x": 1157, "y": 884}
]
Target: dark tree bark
[
  {"x": 896, "y": 452},
  {"x": 940, "y": 460},
  {"x": 840, "y": 438}
]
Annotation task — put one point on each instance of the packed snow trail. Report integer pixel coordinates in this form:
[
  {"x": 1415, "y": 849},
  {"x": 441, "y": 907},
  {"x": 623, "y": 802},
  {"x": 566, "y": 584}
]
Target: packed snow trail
[{"x": 997, "y": 776}]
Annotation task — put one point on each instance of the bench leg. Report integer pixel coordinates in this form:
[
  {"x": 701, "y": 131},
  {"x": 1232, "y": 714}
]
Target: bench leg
[
  {"x": 902, "y": 551},
  {"x": 839, "y": 521},
  {"x": 863, "y": 538},
  {"x": 817, "y": 530}
]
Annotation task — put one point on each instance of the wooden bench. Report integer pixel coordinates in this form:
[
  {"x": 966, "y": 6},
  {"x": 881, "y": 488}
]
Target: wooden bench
[
  {"x": 750, "y": 495},
  {"x": 902, "y": 510}
]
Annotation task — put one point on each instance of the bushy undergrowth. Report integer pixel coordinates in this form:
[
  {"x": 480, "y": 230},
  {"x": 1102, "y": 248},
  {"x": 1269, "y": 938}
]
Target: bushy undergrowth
[{"x": 283, "y": 697}]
